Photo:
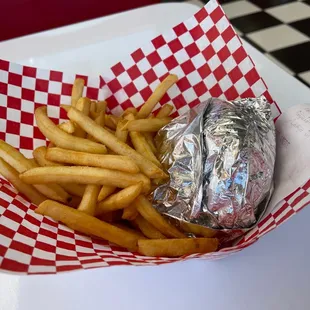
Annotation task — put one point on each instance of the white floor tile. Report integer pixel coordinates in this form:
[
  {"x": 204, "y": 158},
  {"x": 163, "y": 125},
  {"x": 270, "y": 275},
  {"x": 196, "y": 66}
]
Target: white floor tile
[
  {"x": 290, "y": 12},
  {"x": 277, "y": 37},
  {"x": 279, "y": 64},
  {"x": 305, "y": 76},
  {"x": 196, "y": 2},
  {"x": 239, "y": 8}
]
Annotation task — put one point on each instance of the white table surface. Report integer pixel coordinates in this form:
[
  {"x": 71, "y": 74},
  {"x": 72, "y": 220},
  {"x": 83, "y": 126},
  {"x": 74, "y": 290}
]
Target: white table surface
[{"x": 272, "y": 274}]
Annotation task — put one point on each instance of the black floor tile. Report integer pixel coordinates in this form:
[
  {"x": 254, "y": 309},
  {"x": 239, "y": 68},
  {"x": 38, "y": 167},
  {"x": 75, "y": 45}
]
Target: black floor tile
[
  {"x": 295, "y": 57},
  {"x": 269, "y": 3},
  {"x": 254, "y": 22},
  {"x": 303, "y": 26}
]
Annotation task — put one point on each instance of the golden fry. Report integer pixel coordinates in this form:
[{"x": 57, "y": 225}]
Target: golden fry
[
  {"x": 14, "y": 158},
  {"x": 114, "y": 144},
  {"x": 66, "y": 107},
  {"x": 74, "y": 189},
  {"x": 39, "y": 154},
  {"x": 120, "y": 200},
  {"x": 131, "y": 110},
  {"x": 152, "y": 125},
  {"x": 159, "y": 92},
  {"x": 83, "y": 105},
  {"x": 111, "y": 121},
  {"x": 131, "y": 230},
  {"x": 177, "y": 247},
  {"x": 62, "y": 139},
  {"x": 141, "y": 146},
  {"x": 115, "y": 162},
  {"x": 87, "y": 224},
  {"x": 77, "y": 91},
  {"x": 106, "y": 191},
  {"x": 53, "y": 191},
  {"x": 101, "y": 106},
  {"x": 147, "y": 229},
  {"x": 20, "y": 163},
  {"x": 12, "y": 176},
  {"x": 198, "y": 230},
  {"x": 164, "y": 111},
  {"x": 89, "y": 200},
  {"x": 111, "y": 217},
  {"x": 130, "y": 213},
  {"x": 149, "y": 139},
  {"x": 119, "y": 133},
  {"x": 92, "y": 112},
  {"x": 75, "y": 202},
  {"x": 99, "y": 121},
  {"x": 146, "y": 209},
  {"x": 67, "y": 127},
  {"x": 84, "y": 175}
]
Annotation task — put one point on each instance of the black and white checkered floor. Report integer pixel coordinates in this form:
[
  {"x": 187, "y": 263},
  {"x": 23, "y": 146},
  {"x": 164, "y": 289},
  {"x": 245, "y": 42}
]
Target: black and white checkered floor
[{"x": 278, "y": 28}]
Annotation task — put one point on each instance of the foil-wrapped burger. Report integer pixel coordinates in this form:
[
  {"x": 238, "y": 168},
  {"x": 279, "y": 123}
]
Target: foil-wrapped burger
[{"x": 220, "y": 158}]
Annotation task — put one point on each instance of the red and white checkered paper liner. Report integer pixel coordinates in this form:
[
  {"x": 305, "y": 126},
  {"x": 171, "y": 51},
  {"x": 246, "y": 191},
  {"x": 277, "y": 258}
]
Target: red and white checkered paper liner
[{"x": 209, "y": 59}]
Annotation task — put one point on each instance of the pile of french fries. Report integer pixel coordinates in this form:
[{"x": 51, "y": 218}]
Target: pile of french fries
[{"x": 97, "y": 171}]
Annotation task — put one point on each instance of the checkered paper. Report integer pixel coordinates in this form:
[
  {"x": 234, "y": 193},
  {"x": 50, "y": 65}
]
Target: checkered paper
[{"x": 209, "y": 59}]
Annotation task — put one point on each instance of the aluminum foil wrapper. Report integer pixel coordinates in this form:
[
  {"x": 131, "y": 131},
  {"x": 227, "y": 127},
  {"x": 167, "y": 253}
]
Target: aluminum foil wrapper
[{"x": 220, "y": 158}]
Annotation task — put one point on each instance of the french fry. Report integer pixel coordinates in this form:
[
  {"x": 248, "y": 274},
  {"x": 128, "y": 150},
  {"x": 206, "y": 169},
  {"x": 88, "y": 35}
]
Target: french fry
[
  {"x": 120, "y": 200},
  {"x": 130, "y": 213},
  {"x": 66, "y": 107},
  {"x": 84, "y": 175},
  {"x": 114, "y": 144},
  {"x": 131, "y": 230},
  {"x": 39, "y": 154},
  {"x": 159, "y": 92},
  {"x": 82, "y": 105},
  {"x": 74, "y": 189},
  {"x": 146, "y": 209},
  {"x": 164, "y": 111},
  {"x": 105, "y": 191},
  {"x": 14, "y": 158},
  {"x": 152, "y": 125},
  {"x": 109, "y": 130},
  {"x": 67, "y": 127},
  {"x": 75, "y": 202},
  {"x": 177, "y": 247},
  {"x": 131, "y": 110},
  {"x": 20, "y": 163},
  {"x": 99, "y": 121},
  {"x": 33, "y": 161},
  {"x": 197, "y": 230},
  {"x": 149, "y": 139},
  {"x": 53, "y": 191},
  {"x": 115, "y": 162},
  {"x": 111, "y": 121},
  {"x": 147, "y": 229},
  {"x": 89, "y": 200},
  {"x": 77, "y": 91},
  {"x": 101, "y": 106},
  {"x": 12, "y": 176},
  {"x": 141, "y": 146},
  {"x": 119, "y": 133},
  {"x": 111, "y": 217},
  {"x": 87, "y": 224},
  {"x": 92, "y": 111},
  {"x": 62, "y": 139}
]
